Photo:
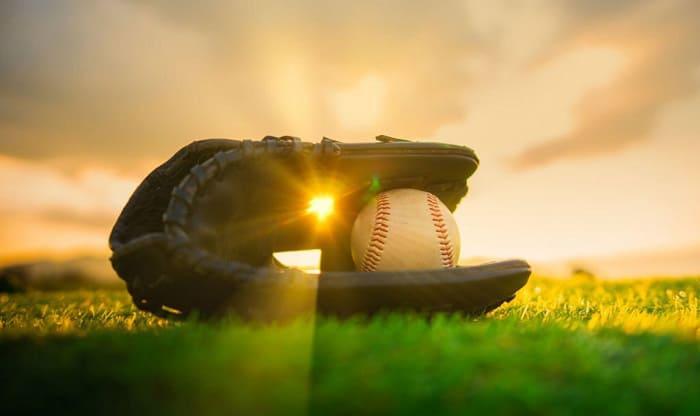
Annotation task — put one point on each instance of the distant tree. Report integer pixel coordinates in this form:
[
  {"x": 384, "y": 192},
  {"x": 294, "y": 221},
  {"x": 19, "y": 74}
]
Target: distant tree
[
  {"x": 11, "y": 279},
  {"x": 582, "y": 273},
  {"x": 80, "y": 273}
]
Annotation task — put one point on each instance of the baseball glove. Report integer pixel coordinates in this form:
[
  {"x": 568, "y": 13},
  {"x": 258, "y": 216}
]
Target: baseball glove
[{"x": 199, "y": 233}]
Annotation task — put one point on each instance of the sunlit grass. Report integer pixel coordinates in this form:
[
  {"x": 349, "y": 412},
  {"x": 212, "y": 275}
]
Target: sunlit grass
[
  {"x": 44, "y": 313},
  {"x": 571, "y": 346},
  {"x": 633, "y": 306}
]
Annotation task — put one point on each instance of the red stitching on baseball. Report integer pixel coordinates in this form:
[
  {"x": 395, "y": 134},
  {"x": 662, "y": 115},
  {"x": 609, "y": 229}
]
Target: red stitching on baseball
[
  {"x": 380, "y": 230},
  {"x": 446, "y": 250}
]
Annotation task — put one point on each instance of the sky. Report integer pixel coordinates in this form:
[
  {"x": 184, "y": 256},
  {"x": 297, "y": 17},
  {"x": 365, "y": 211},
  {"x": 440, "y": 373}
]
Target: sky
[{"x": 585, "y": 114}]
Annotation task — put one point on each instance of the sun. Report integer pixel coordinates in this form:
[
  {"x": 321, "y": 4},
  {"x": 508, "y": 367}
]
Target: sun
[{"x": 321, "y": 206}]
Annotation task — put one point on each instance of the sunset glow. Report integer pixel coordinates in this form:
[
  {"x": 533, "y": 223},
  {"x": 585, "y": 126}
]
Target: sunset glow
[
  {"x": 584, "y": 118},
  {"x": 321, "y": 206}
]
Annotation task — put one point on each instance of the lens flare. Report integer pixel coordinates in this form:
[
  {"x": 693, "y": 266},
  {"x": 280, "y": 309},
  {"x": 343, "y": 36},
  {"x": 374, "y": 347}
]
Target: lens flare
[{"x": 321, "y": 206}]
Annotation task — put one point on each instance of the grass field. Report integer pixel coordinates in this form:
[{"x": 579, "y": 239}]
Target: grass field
[{"x": 562, "y": 347}]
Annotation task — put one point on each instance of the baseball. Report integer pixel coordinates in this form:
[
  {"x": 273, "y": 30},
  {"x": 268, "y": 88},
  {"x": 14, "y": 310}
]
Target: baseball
[{"x": 404, "y": 229}]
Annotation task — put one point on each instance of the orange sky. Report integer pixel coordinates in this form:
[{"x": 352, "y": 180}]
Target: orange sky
[{"x": 585, "y": 116}]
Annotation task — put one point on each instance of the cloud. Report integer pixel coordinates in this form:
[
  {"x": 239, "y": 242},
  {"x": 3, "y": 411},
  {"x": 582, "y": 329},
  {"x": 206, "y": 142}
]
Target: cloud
[
  {"x": 661, "y": 41},
  {"x": 119, "y": 81},
  {"x": 116, "y": 82},
  {"x": 44, "y": 208}
]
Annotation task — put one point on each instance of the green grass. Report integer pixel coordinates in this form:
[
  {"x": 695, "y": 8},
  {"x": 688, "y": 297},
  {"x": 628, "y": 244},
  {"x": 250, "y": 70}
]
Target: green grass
[{"x": 562, "y": 347}]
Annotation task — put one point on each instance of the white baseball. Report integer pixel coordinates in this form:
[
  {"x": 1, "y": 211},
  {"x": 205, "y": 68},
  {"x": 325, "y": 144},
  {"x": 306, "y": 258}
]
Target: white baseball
[{"x": 404, "y": 229}]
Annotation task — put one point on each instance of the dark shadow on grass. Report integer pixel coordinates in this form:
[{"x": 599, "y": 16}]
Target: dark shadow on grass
[
  {"x": 392, "y": 364},
  {"x": 406, "y": 364}
]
